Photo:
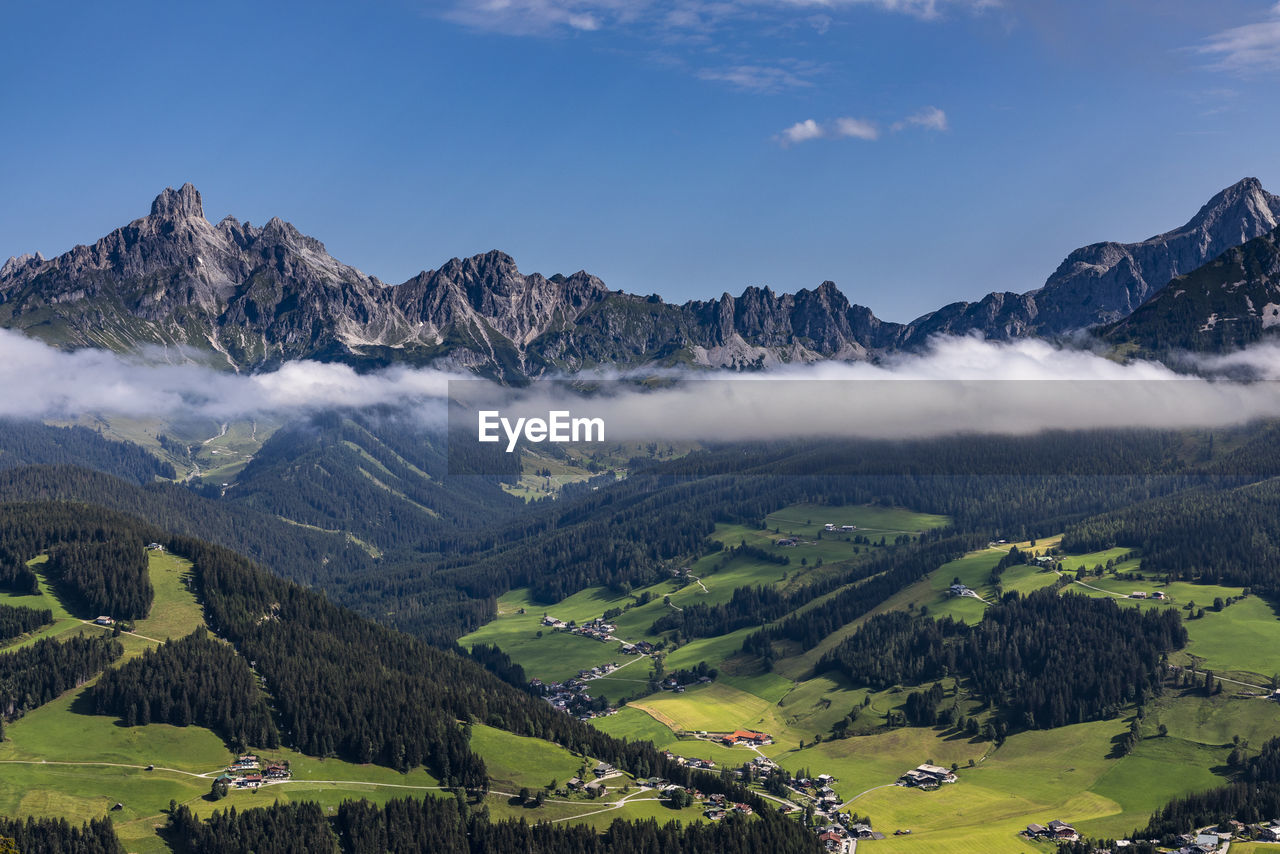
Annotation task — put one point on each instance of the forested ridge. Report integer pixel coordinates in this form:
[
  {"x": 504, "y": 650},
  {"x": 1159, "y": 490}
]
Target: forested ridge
[
  {"x": 1023, "y": 656},
  {"x": 195, "y": 680},
  {"x": 24, "y": 443},
  {"x": 439, "y": 578}
]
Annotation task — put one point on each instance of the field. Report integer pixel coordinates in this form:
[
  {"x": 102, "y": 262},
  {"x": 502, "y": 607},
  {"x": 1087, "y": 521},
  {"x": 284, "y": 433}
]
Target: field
[
  {"x": 1071, "y": 773},
  {"x": 553, "y": 656}
]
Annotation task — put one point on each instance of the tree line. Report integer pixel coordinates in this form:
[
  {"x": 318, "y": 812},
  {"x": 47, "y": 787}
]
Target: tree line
[
  {"x": 16, "y": 620},
  {"x": 110, "y": 577},
  {"x": 59, "y": 836},
  {"x": 449, "y": 826},
  {"x": 34, "y": 675}
]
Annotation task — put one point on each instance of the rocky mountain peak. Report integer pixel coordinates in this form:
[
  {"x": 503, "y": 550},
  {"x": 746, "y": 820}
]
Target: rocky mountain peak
[
  {"x": 183, "y": 203},
  {"x": 1244, "y": 208}
]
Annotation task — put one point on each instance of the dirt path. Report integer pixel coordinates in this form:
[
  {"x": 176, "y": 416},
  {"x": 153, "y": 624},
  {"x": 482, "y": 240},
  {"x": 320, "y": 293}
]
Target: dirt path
[
  {"x": 615, "y": 805},
  {"x": 868, "y": 791},
  {"x": 134, "y": 634}
]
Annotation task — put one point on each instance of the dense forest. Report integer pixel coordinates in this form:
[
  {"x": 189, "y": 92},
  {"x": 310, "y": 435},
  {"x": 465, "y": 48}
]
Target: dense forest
[
  {"x": 195, "y": 680},
  {"x": 1253, "y": 797},
  {"x": 448, "y": 826},
  {"x": 58, "y": 836},
  {"x": 24, "y": 443},
  {"x": 1016, "y": 657},
  {"x": 16, "y": 621},
  {"x": 34, "y": 675},
  {"x": 108, "y": 577},
  {"x": 321, "y": 471}
]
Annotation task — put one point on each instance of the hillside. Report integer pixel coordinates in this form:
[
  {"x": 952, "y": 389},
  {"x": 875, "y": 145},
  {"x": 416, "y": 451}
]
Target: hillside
[
  {"x": 399, "y": 724},
  {"x": 1225, "y": 305}
]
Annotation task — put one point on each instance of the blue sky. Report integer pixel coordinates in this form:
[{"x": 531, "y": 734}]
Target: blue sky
[{"x": 916, "y": 152}]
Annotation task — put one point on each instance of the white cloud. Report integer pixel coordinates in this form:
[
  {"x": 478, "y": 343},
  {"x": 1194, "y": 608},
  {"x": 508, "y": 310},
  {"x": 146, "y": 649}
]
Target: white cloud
[
  {"x": 960, "y": 385},
  {"x": 802, "y": 132},
  {"x": 546, "y": 17},
  {"x": 857, "y": 128},
  {"x": 762, "y": 78},
  {"x": 928, "y": 118},
  {"x": 957, "y": 385},
  {"x": 1248, "y": 48}
]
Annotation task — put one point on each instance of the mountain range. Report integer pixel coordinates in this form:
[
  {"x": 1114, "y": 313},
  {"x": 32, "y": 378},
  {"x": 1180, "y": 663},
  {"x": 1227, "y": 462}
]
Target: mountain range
[{"x": 249, "y": 297}]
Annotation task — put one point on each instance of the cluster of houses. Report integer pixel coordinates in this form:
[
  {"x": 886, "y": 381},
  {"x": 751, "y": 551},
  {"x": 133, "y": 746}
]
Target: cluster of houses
[
  {"x": 597, "y": 787},
  {"x": 718, "y": 806},
  {"x": 927, "y": 777},
  {"x": 596, "y": 629},
  {"x": 697, "y": 764},
  {"x": 786, "y": 541},
  {"x": 831, "y": 528},
  {"x": 571, "y": 697},
  {"x": 1057, "y": 831},
  {"x": 835, "y": 837},
  {"x": 1139, "y": 594},
  {"x": 747, "y": 737},
  {"x": 825, "y": 799},
  {"x": 249, "y": 772}
]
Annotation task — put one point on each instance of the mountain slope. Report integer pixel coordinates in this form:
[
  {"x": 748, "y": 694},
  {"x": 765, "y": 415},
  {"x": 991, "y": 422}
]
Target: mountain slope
[
  {"x": 1104, "y": 282},
  {"x": 251, "y": 297},
  {"x": 1228, "y": 303},
  {"x": 248, "y": 298}
]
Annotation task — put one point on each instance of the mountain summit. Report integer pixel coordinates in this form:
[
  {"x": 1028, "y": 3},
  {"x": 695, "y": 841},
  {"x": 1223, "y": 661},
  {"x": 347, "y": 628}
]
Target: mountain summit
[
  {"x": 250, "y": 297},
  {"x": 1104, "y": 282}
]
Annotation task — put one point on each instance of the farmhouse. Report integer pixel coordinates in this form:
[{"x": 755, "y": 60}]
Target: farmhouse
[
  {"x": 848, "y": 527},
  {"x": 1062, "y": 831},
  {"x": 785, "y": 541},
  {"x": 155, "y": 547},
  {"x": 746, "y": 736},
  {"x": 104, "y": 621},
  {"x": 603, "y": 768},
  {"x": 595, "y": 787},
  {"x": 927, "y": 777},
  {"x": 1270, "y": 833},
  {"x": 1137, "y": 594},
  {"x": 959, "y": 590}
]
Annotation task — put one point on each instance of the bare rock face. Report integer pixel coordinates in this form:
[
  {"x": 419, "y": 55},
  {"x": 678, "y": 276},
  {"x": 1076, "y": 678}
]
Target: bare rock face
[
  {"x": 249, "y": 297},
  {"x": 1231, "y": 302},
  {"x": 256, "y": 296}
]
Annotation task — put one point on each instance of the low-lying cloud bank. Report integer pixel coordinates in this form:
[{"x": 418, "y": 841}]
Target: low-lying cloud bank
[{"x": 958, "y": 385}]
